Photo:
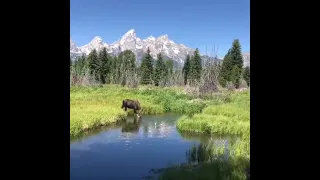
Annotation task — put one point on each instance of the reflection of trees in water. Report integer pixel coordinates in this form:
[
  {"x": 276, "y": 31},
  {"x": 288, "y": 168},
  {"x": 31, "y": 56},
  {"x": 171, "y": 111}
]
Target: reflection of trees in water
[
  {"x": 205, "y": 138},
  {"x": 207, "y": 152},
  {"x": 94, "y": 132},
  {"x": 219, "y": 148},
  {"x": 208, "y": 161},
  {"x": 157, "y": 128}
]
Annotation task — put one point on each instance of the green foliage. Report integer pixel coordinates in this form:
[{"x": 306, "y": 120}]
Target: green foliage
[
  {"x": 236, "y": 75},
  {"x": 160, "y": 70},
  {"x": 234, "y": 169},
  {"x": 94, "y": 64},
  {"x": 196, "y": 66},
  {"x": 186, "y": 69},
  {"x": 232, "y": 65},
  {"x": 104, "y": 69},
  {"x": 94, "y": 106},
  {"x": 126, "y": 65},
  {"x": 246, "y": 75},
  {"x": 114, "y": 70},
  {"x": 168, "y": 71},
  {"x": 236, "y": 54},
  {"x": 146, "y": 69},
  {"x": 214, "y": 161},
  {"x": 228, "y": 118}
]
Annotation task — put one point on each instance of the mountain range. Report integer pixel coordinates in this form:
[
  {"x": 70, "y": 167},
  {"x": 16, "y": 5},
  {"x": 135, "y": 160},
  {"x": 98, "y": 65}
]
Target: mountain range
[{"x": 162, "y": 44}]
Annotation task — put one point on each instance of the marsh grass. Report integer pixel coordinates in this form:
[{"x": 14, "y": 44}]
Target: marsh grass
[
  {"x": 210, "y": 161},
  {"x": 232, "y": 118},
  {"x": 91, "y": 107},
  {"x": 236, "y": 169},
  {"x": 229, "y": 118},
  {"x": 222, "y": 113}
]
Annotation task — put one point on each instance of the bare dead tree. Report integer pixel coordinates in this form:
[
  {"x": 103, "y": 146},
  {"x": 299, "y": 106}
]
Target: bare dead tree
[
  {"x": 132, "y": 78},
  {"x": 209, "y": 81},
  {"x": 82, "y": 77}
]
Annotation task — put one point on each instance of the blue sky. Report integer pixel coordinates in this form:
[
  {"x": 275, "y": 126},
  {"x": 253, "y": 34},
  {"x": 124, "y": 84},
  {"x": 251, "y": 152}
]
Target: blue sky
[{"x": 196, "y": 23}]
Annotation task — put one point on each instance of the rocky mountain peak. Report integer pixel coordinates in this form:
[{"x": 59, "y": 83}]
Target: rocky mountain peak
[{"x": 130, "y": 41}]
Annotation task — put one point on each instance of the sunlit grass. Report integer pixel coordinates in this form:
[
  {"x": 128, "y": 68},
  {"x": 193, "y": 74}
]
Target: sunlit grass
[
  {"x": 231, "y": 118},
  {"x": 95, "y": 106},
  {"x": 222, "y": 114}
]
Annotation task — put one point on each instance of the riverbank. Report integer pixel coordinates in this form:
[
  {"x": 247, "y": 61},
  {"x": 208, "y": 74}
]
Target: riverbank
[
  {"x": 91, "y": 107},
  {"x": 232, "y": 118},
  {"x": 225, "y": 113}
]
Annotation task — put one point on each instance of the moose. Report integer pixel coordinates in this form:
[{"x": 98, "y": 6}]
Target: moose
[{"x": 132, "y": 104}]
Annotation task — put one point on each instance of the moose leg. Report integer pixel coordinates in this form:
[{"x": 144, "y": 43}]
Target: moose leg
[
  {"x": 125, "y": 108},
  {"x": 137, "y": 113}
]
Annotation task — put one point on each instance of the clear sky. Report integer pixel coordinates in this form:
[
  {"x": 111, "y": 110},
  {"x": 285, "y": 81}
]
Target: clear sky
[{"x": 194, "y": 23}]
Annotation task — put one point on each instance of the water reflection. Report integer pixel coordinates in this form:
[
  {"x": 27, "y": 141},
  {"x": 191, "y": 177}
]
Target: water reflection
[
  {"x": 160, "y": 127},
  {"x": 94, "y": 132},
  {"x": 208, "y": 161},
  {"x": 131, "y": 126},
  {"x": 136, "y": 145},
  {"x": 207, "y": 152}
]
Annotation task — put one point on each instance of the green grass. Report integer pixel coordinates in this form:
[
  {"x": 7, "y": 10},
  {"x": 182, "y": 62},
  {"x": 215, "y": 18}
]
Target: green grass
[
  {"x": 92, "y": 107},
  {"x": 222, "y": 114},
  {"x": 209, "y": 161},
  {"x": 235, "y": 169},
  {"x": 231, "y": 118}
]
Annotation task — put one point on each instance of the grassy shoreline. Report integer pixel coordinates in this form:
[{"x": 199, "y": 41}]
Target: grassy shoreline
[
  {"x": 226, "y": 113},
  {"x": 91, "y": 107},
  {"x": 232, "y": 118}
]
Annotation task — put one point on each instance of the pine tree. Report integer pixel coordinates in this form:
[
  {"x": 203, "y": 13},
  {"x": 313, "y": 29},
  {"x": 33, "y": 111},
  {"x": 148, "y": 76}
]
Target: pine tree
[
  {"x": 168, "y": 71},
  {"x": 236, "y": 54},
  {"x": 160, "y": 69},
  {"x": 236, "y": 75},
  {"x": 186, "y": 69},
  {"x": 169, "y": 65},
  {"x": 237, "y": 61},
  {"x": 83, "y": 63},
  {"x": 127, "y": 63},
  {"x": 146, "y": 69},
  {"x": 246, "y": 75},
  {"x": 93, "y": 63},
  {"x": 104, "y": 68},
  {"x": 196, "y": 66},
  {"x": 230, "y": 73},
  {"x": 226, "y": 68},
  {"x": 113, "y": 70}
]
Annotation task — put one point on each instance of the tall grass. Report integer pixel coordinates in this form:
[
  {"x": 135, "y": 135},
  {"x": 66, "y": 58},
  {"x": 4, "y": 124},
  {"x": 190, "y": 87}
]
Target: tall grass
[
  {"x": 96, "y": 106},
  {"x": 231, "y": 118}
]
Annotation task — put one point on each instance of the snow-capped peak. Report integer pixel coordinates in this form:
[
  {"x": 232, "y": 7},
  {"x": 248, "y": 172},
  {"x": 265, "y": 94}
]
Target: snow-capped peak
[
  {"x": 131, "y": 32},
  {"x": 96, "y": 39},
  {"x": 151, "y": 38},
  {"x": 164, "y": 37},
  {"x": 130, "y": 41}
]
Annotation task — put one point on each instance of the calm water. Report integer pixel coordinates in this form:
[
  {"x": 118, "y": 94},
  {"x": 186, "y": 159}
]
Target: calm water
[{"x": 131, "y": 149}]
